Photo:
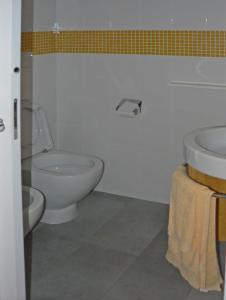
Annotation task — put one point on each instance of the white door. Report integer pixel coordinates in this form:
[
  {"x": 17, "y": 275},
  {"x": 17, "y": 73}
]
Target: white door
[{"x": 12, "y": 279}]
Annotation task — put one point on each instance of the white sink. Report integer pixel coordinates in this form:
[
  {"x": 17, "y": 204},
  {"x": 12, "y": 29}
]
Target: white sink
[
  {"x": 205, "y": 150},
  {"x": 33, "y": 207}
]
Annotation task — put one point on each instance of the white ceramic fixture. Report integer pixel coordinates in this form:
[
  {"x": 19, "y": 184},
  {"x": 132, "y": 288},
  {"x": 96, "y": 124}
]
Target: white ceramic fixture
[
  {"x": 33, "y": 206},
  {"x": 63, "y": 177},
  {"x": 205, "y": 150}
]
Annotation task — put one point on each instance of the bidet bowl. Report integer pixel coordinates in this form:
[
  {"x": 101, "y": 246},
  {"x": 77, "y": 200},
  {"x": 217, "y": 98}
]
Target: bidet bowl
[
  {"x": 33, "y": 207},
  {"x": 205, "y": 150}
]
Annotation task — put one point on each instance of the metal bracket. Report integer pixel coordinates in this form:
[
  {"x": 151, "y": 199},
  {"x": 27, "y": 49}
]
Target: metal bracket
[{"x": 2, "y": 125}]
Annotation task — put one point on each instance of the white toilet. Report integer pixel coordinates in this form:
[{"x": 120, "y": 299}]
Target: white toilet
[{"x": 63, "y": 177}]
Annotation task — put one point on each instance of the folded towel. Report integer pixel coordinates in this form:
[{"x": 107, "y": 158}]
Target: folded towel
[{"x": 192, "y": 233}]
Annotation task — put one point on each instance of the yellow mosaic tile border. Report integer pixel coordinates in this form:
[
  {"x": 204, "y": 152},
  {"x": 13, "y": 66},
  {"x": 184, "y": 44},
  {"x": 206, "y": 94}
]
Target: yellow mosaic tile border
[{"x": 143, "y": 42}]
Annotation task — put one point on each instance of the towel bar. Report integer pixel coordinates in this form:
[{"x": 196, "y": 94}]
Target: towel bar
[{"x": 219, "y": 195}]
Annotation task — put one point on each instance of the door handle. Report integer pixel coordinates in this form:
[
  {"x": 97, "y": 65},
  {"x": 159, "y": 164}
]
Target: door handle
[
  {"x": 2, "y": 125},
  {"x": 15, "y": 106}
]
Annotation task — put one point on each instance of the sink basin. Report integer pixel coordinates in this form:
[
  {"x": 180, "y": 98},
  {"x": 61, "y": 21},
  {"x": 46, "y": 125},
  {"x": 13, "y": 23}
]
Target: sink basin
[
  {"x": 33, "y": 207},
  {"x": 205, "y": 150}
]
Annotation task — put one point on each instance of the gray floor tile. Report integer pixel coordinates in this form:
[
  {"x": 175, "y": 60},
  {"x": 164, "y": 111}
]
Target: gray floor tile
[
  {"x": 148, "y": 209},
  {"x": 86, "y": 274},
  {"x": 153, "y": 260},
  {"x": 127, "y": 200},
  {"x": 221, "y": 247},
  {"x": 132, "y": 204},
  {"x": 119, "y": 229},
  {"x": 151, "y": 277},
  {"x": 93, "y": 213},
  {"x": 100, "y": 204},
  {"x": 133, "y": 228},
  {"x": 196, "y": 295},
  {"x": 49, "y": 249},
  {"x": 109, "y": 196},
  {"x": 138, "y": 284},
  {"x": 52, "y": 243}
]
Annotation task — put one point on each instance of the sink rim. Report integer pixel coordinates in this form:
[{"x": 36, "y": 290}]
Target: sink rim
[
  {"x": 202, "y": 159},
  {"x": 37, "y": 198},
  {"x": 33, "y": 212}
]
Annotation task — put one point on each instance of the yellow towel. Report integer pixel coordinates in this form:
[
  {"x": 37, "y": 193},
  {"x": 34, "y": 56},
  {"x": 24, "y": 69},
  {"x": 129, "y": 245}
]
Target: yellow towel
[{"x": 192, "y": 233}]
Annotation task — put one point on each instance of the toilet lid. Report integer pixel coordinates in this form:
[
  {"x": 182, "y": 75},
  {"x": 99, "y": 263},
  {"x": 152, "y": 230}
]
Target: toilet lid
[{"x": 35, "y": 133}]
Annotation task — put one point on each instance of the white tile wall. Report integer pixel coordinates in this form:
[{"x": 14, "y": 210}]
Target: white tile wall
[
  {"x": 26, "y": 59},
  {"x": 26, "y": 76},
  {"x": 44, "y": 87},
  {"x": 156, "y": 14},
  {"x": 199, "y": 14},
  {"x": 44, "y": 66},
  {"x": 27, "y": 15},
  {"x": 139, "y": 154},
  {"x": 44, "y": 14}
]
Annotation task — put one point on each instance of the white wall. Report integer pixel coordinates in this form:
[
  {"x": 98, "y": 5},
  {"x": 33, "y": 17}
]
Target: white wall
[
  {"x": 44, "y": 88},
  {"x": 139, "y": 154},
  {"x": 26, "y": 59},
  {"x": 141, "y": 14},
  {"x": 44, "y": 66}
]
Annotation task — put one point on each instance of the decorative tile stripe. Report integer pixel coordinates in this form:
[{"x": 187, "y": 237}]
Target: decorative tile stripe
[
  {"x": 26, "y": 41},
  {"x": 143, "y": 42},
  {"x": 38, "y": 42},
  {"x": 43, "y": 43}
]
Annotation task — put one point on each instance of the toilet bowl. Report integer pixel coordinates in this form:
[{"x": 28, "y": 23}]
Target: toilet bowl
[{"x": 64, "y": 178}]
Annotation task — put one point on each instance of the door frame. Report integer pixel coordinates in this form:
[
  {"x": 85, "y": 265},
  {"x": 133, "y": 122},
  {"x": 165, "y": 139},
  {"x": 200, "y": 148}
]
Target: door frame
[{"x": 12, "y": 273}]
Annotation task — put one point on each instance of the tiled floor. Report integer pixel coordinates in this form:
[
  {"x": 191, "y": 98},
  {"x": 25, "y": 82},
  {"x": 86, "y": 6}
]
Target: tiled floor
[{"x": 114, "y": 250}]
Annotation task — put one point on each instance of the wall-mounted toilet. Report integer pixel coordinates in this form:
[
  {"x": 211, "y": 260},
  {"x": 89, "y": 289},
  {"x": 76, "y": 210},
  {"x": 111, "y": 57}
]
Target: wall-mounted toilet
[{"x": 63, "y": 177}]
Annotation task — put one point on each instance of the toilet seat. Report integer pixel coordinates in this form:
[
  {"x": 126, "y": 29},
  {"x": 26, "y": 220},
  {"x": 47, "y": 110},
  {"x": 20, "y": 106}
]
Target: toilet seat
[
  {"x": 62, "y": 163},
  {"x": 67, "y": 169}
]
